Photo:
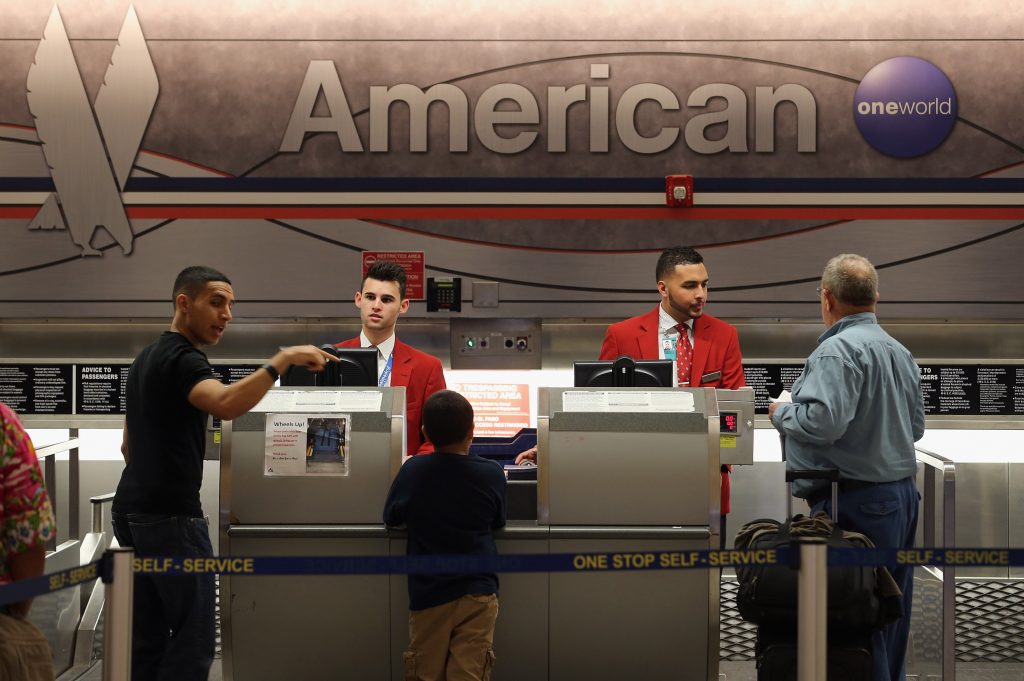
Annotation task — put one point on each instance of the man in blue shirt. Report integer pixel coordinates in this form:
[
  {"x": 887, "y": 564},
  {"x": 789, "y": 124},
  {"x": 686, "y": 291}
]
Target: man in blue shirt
[{"x": 857, "y": 407}]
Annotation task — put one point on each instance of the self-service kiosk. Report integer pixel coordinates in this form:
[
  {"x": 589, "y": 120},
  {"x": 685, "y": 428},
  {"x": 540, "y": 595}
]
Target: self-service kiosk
[
  {"x": 281, "y": 498},
  {"x": 620, "y": 471},
  {"x": 623, "y": 471}
]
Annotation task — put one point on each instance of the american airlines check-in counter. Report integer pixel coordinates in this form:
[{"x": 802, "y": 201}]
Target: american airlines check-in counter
[
  {"x": 277, "y": 499},
  {"x": 549, "y": 624}
]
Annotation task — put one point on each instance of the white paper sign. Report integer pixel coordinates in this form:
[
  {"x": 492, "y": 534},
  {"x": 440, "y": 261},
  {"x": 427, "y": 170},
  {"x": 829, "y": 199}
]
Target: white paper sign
[
  {"x": 627, "y": 401},
  {"x": 320, "y": 401},
  {"x": 307, "y": 444}
]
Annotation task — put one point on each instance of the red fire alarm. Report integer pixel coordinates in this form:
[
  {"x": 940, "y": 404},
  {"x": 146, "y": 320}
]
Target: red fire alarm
[{"x": 679, "y": 190}]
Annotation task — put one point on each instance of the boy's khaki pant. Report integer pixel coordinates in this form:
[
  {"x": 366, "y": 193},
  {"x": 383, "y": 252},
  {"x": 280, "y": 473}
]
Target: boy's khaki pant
[{"x": 452, "y": 641}]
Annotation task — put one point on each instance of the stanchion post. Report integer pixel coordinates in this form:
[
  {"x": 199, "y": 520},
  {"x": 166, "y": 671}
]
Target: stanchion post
[
  {"x": 812, "y": 610},
  {"x": 117, "y": 615}
]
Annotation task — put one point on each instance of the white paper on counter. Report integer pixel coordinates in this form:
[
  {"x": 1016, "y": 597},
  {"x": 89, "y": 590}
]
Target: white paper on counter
[
  {"x": 627, "y": 401},
  {"x": 320, "y": 401}
]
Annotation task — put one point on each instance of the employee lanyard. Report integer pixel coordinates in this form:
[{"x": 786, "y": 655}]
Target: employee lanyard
[
  {"x": 386, "y": 374},
  {"x": 668, "y": 347}
]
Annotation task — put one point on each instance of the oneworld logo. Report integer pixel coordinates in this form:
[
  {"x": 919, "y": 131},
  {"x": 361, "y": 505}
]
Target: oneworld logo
[{"x": 905, "y": 107}]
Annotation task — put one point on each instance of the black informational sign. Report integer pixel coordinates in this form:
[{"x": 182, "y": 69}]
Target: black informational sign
[
  {"x": 947, "y": 389},
  {"x": 36, "y": 388},
  {"x": 768, "y": 380},
  {"x": 100, "y": 388},
  {"x": 972, "y": 390},
  {"x": 228, "y": 374}
]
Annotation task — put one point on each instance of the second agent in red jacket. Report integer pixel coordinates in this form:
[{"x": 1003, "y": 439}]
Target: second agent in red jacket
[
  {"x": 683, "y": 284},
  {"x": 380, "y": 299}
]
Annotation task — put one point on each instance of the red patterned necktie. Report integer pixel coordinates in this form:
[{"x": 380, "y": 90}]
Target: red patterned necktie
[{"x": 684, "y": 356}]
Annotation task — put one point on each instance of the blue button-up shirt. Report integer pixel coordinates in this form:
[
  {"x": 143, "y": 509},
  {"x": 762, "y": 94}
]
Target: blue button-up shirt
[{"x": 857, "y": 406}]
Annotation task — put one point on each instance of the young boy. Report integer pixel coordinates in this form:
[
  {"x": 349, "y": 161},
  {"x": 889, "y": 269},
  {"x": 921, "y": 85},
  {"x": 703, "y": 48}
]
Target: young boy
[{"x": 451, "y": 502}]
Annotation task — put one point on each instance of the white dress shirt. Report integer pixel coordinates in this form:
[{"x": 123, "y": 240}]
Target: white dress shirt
[{"x": 384, "y": 350}]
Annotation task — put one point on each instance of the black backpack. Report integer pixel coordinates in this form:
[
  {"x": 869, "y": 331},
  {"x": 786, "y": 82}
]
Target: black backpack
[{"x": 859, "y": 597}]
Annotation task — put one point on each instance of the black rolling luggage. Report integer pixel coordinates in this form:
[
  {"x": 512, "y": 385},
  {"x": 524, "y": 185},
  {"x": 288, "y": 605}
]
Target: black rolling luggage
[
  {"x": 768, "y": 596},
  {"x": 849, "y": 655}
]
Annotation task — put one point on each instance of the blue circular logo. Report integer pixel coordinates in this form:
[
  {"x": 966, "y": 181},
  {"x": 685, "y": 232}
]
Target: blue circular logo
[{"x": 905, "y": 107}]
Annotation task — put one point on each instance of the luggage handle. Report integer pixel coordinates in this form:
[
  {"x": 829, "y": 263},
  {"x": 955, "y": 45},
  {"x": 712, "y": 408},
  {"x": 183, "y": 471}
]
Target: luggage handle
[{"x": 830, "y": 474}]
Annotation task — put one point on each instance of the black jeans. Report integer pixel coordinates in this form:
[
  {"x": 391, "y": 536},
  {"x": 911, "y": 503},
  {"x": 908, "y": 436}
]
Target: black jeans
[{"x": 173, "y": 618}]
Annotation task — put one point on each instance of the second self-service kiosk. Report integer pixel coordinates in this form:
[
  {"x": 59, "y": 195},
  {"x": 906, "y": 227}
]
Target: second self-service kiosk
[{"x": 623, "y": 471}]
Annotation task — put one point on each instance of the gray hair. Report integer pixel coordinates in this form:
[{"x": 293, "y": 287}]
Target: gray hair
[{"x": 851, "y": 279}]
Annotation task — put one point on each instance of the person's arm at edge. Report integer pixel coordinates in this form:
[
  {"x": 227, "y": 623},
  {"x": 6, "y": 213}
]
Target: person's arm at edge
[
  {"x": 27, "y": 564},
  {"x": 228, "y": 402},
  {"x": 32, "y": 561}
]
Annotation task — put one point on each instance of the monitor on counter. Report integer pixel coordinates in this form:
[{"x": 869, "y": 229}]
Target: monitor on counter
[
  {"x": 623, "y": 372},
  {"x": 355, "y": 367}
]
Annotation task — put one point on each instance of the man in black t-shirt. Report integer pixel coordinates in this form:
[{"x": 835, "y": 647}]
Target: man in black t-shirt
[
  {"x": 171, "y": 390},
  {"x": 450, "y": 501}
]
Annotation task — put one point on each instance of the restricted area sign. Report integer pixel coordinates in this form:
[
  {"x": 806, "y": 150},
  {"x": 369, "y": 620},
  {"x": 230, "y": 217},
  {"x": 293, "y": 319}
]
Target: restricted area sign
[
  {"x": 410, "y": 261},
  {"x": 499, "y": 409}
]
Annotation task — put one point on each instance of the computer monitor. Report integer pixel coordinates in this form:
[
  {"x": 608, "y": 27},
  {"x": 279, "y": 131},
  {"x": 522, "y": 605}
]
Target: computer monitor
[
  {"x": 356, "y": 367},
  {"x": 623, "y": 372}
]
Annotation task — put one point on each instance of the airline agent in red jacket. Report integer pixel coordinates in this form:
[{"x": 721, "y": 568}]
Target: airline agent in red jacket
[
  {"x": 380, "y": 300},
  {"x": 716, "y": 361}
]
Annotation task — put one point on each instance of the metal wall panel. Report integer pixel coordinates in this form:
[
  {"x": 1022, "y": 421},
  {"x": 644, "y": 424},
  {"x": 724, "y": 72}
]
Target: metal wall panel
[
  {"x": 564, "y": 340},
  {"x": 633, "y": 625},
  {"x": 316, "y": 628},
  {"x": 1016, "y": 510},
  {"x": 982, "y": 506}
]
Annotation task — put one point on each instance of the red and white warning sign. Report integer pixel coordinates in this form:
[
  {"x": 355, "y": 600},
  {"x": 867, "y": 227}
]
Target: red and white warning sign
[{"x": 410, "y": 261}]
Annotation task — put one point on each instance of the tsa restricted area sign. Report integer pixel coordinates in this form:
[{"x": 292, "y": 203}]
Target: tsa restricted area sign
[{"x": 410, "y": 261}]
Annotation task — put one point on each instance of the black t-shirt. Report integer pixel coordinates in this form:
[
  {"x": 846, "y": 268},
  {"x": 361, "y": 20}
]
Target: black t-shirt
[
  {"x": 450, "y": 504},
  {"x": 166, "y": 434}
]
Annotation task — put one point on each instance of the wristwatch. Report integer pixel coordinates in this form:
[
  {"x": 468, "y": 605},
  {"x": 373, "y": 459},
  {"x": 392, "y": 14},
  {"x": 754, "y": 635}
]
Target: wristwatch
[{"x": 269, "y": 368}]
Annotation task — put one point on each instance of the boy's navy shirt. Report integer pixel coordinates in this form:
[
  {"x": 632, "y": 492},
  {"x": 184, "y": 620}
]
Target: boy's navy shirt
[{"x": 450, "y": 504}]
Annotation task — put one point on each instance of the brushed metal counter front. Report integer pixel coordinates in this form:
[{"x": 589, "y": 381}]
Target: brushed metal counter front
[{"x": 356, "y": 627}]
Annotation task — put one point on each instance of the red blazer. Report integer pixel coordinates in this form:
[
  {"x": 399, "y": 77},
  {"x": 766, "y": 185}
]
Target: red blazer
[
  {"x": 716, "y": 349},
  {"x": 422, "y": 376}
]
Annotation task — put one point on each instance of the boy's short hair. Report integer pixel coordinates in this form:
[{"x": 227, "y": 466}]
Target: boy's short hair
[{"x": 447, "y": 418}]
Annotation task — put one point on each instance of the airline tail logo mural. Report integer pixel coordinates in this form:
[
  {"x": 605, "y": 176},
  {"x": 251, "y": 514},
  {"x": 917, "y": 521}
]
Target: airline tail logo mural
[{"x": 90, "y": 149}]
